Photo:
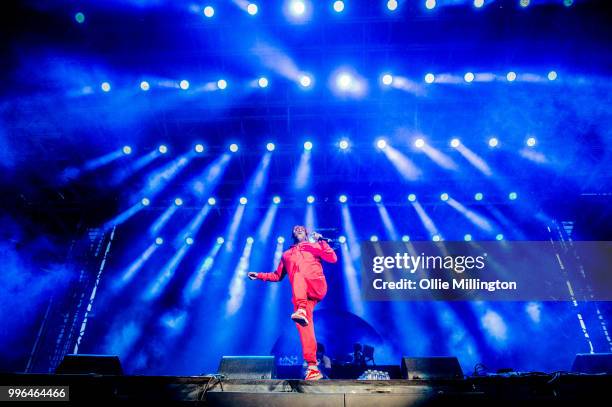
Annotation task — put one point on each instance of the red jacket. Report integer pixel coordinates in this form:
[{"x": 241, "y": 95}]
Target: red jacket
[{"x": 304, "y": 257}]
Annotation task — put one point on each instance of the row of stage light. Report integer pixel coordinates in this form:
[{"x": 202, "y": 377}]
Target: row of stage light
[
  {"x": 301, "y": 10},
  {"x": 343, "y": 144},
  {"x": 345, "y": 81}
]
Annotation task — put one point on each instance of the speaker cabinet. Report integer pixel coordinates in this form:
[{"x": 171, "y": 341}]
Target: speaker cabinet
[
  {"x": 247, "y": 367},
  {"x": 593, "y": 363},
  {"x": 431, "y": 368},
  {"x": 86, "y": 364}
]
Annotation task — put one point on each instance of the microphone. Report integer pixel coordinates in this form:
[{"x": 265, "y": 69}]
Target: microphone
[{"x": 321, "y": 237}]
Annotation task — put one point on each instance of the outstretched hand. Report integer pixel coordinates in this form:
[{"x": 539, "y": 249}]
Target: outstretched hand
[{"x": 252, "y": 275}]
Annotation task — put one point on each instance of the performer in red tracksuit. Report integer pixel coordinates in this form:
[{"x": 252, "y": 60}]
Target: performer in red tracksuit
[{"x": 302, "y": 262}]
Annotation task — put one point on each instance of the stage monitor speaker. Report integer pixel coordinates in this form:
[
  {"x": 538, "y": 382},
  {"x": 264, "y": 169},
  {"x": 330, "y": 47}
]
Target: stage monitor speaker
[
  {"x": 86, "y": 364},
  {"x": 247, "y": 367},
  {"x": 431, "y": 368},
  {"x": 593, "y": 363}
]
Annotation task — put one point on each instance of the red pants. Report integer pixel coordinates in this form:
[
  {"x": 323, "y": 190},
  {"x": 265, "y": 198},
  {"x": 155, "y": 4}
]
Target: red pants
[{"x": 306, "y": 294}]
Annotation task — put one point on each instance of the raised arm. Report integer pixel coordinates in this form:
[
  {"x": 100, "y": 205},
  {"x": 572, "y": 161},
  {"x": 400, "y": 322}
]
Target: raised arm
[{"x": 277, "y": 275}]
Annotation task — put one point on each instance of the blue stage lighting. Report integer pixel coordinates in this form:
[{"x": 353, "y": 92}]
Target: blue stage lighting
[
  {"x": 280, "y": 240},
  {"x": 531, "y": 142},
  {"x": 233, "y": 147},
  {"x": 412, "y": 197},
  {"x": 199, "y": 148},
  {"x": 478, "y": 3},
  {"x": 270, "y": 146},
  {"x": 252, "y": 9},
  {"x": 478, "y": 196},
  {"x": 222, "y": 84},
  {"x": 305, "y": 80},
  {"x": 430, "y": 4},
  {"x": 189, "y": 240},
  {"x": 262, "y": 82},
  {"x": 209, "y": 11},
  {"x": 377, "y": 198},
  {"x": 373, "y": 238},
  {"x": 392, "y": 5},
  {"x": 106, "y": 87},
  {"x": 467, "y": 237},
  {"x": 444, "y": 196},
  {"x": 568, "y": 3},
  {"x": 163, "y": 149},
  {"x": 178, "y": 201},
  {"x": 338, "y": 6},
  {"x": 511, "y": 76},
  {"x": 342, "y": 198},
  {"x": 552, "y": 75},
  {"x": 499, "y": 236},
  {"x": 387, "y": 79},
  {"x": 220, "y": 240},
  {"x": 184, "y": 84},
  {"x": 310, "y": 199},
  {"x": 493, "y": 142},
  {"x": 276, "y": 199},
  {"x": 419, "y": 143},
  {"x": 127, "y": 150},
  {"x": 243, "y": 200},
  {"x": 212, "y": 201},
  {"x": 144, "y": 85},
  {"x": 525, "y": 3},
  {"x": 512, "y": 196},
  {"x": 342, "y": 239},
  {"x": 436, "y": 238},
  {"x": 145, "y": 202},
  {"x": 455, "y": 143},
  {"x": 344, "y": 144},
  {"x": 381, "y": 143},
  {"x": 468, "y": 77},
  {"x": 250, "y": 240},
  {"x": 297, "y": 7},
  {"x": 405, "y": 238},
  {"x": 159, "y": 241},
  {"x": 430, "y": 78},
  {"x": 79, "y": 17},
  {"x": 344, "y": 81},
  {"x": 308, "y": 146}
]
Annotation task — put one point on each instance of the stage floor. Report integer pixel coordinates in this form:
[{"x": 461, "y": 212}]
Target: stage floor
[{"x": 524, "y": 389}]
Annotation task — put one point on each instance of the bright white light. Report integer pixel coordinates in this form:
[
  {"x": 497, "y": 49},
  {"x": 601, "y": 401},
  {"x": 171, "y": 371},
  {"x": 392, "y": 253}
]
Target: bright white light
[
  {"x": 297, "y": 7},
  {"x": 199, "y": 148},
  {"x": 144, "y": 85},
  {"x": 344, "y": 81},
  {"x": 276, "y": 199},
  {"x": 493, "y": 142},
  {"x": 412, "y": 197},
  {"x": 163, "y": 149},
  {"x": 344, "y": 144},
  {"x": 455, "y": 143},
  {"x": 212, "y": 201},
  {"x": 222, "y": 84},
  {"x": 478, "y": 3},
  {"x": 310, "y": 199},
  {"x": 127, "y": 150},
  {"x": 184, "y": 84},
  {"x": 178, "y": 201},
  {"x": 377, "y": 198},
  {"x": 106, "y": 87},
  {"x": 405, "y": 238},
  {"x": 392, "y": 5},
  {"x": 387, "y": 79},
  {"x": 159, "y": 241},
  {"x": 419, "y": 143},
  {"x": 233, "y": 147},
  {"x": 552, "y": 75},
  {"x": 469, "y": 77},
  {"x": 511, "y": 76},
  {"x": 209, "y": 11},
  {"x": 280, "y": 240},
  {"x": 436, "y": 238},
  {"x": 430, "y": 78},
  {"x": 524, "y": 3},
  {"x": 263, "y": 82},
  {"x": 252, "y": 9},
  {"x": 220, "y": 240},
  {"x": 381, "y": 143},
  {"x": 467, "y": 237},
  {"x": 342, "y": 198},
  {"x": 250, "y": 240},
  {"x": 145, "y": 202},
  {"x": 243, "y": 200},
  {"x": 430, "y": 4},
  {"x": 531, "y": 142},
  {"x": 499, "y": 236},
  {"x": 478, "y": 196},
  {"x": 305, "y": 81},
  {"x": 512, "y": 196},
  {"x": 308, "y": 146},
  {"x": 373, "y": 238},
  {"x": 270, "y": 146},
  {"x": 189, "y": 240},
  {"x": 444, "y": 197},
  {"x": 342, "y": 239},
  {"x": 338, "y": 6}
]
